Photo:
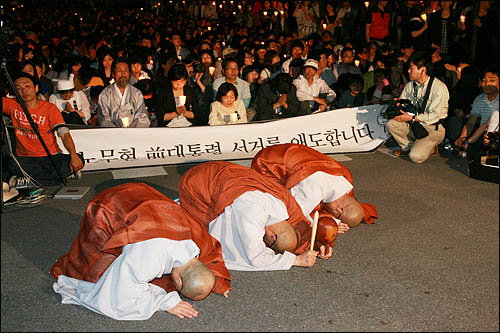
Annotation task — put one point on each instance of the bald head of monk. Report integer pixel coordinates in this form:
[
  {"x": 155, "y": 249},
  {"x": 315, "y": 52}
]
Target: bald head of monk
[
  {"x": 193, "y": 279},
  {"x": 347, "y": 209},
  {"x": 281, "y": 237}
]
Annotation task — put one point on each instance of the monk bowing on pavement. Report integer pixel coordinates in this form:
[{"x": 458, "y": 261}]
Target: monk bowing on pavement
[
  {"x": 313, "y": 179},
  {"x": 135, "y": 248},
  {"x": 257, "y": 221}
]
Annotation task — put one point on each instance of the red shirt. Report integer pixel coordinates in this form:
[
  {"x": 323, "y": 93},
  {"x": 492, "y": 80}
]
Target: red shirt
[{"x": 46, "y": 115}]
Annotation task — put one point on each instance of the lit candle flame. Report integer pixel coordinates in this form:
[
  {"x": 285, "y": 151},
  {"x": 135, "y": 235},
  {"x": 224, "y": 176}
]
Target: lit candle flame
[
  {"x": 462, "y": 18},
  {"x": 324, "y": 26},
  {"x": 211, "y": 70},
  {"x": 125, "y": 122},
  {"x": 367, "y": 4},
  {"x": 182, "y": 100},
  {"x": 356, "y": 62},
  {"x": 424, "y": 17}
]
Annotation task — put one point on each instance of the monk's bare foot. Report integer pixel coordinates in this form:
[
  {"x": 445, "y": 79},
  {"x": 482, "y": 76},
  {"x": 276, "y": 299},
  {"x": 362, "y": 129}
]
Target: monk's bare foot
[{"x": 342, "y": 227}]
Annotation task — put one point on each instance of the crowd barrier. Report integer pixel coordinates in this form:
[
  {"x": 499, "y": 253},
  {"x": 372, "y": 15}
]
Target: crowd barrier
[{"x": 359, "y": 129}]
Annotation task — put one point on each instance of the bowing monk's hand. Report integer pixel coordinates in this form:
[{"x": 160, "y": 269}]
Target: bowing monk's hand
[
  {"x": 342, "y": 227},
  {"x": 325, "y": 252},
  {"x": 306, "y": 259},
  {"x": 226, "y": 294},
  {"x": 183, "y": 309}
]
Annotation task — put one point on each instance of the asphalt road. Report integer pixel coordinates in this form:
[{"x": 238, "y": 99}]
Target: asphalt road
[{"x": 430, "y": 263}]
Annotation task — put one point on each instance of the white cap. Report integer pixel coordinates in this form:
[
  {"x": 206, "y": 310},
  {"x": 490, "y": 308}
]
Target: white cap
[
  {"x": 66, "y": 84},
  {"x": 311, "y": 63}
]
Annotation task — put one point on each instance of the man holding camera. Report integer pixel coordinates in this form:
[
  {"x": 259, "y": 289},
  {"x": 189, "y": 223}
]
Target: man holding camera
[{"x": 419, "y": 134}]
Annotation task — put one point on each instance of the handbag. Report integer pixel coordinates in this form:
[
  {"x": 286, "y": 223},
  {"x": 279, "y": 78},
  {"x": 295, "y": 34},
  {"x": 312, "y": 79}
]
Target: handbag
[{"x": 418, "y": 130}]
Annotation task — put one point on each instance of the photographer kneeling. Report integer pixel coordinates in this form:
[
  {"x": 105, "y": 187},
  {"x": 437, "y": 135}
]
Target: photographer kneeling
[{"x": 419, "y": 134}]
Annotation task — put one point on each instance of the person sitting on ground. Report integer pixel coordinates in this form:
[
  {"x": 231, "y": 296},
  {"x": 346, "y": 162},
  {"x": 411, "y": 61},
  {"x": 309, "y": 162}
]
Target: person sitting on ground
[
  {"x": 228, "y": 108},
  {"x": 251, "y": 75},
  {"x": 231, "y": 71},
  {"x": 151, "y": 248},
  {"x": 177, "y": 104},
  {"x": 136, "y": 72},
  {"x": 252, "y": 216},
  {"x": 278, "y": 99},
  {"x": 471, "y": 139},
  {"x": 29, "y": 152},
  {"x": 74, "y": 105},
  {"x": 352, "y": 97},
  {"x": 122, "y": 105},
  {"x": 312, "y": 90}
]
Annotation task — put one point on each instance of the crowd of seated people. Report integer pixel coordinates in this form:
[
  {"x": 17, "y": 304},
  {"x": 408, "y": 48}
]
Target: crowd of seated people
[{"x": 200, "y": 63}]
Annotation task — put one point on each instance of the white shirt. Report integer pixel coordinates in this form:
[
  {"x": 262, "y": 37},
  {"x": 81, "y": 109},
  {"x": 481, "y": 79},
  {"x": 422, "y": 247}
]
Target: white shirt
[
  {"x": 123, "y": 292},
  {"x": 79, "y": 98},
  {"x": 319, "y": 187},
  {"x": 437, "y": 104},
  {"x": 240, "y": 230},
  {"x": 306, "y": 92},
  {"x": 493, "y": 124}
]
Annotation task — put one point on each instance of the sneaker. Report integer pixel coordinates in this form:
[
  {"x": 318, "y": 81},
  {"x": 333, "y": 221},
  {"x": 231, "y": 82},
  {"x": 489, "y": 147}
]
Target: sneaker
[
  {"x": 76, "y": 175},
  {"x": 20, "y": 182}
]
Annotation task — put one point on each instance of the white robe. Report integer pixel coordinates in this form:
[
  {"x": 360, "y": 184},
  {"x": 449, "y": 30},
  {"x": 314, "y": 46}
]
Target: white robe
[
  {"x": 123, "y": 292},
  {"x": 240, "y": 230},
  {"x": 319, "y": 187}
]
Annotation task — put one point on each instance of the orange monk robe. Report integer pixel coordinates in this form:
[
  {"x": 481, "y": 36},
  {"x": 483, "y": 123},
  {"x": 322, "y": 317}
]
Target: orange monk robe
[
  {"x": 291, "y": 163},
  {"x": 208, "y": 188},
  {"x": 132, "y": 213}
]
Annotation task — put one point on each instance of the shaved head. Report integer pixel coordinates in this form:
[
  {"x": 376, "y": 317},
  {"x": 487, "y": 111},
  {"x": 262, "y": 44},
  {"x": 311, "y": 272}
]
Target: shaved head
[
  {"x": 193, "y": 279},
  {"x": 347, "y": 209},
  {"x": 286, "y": 237}
]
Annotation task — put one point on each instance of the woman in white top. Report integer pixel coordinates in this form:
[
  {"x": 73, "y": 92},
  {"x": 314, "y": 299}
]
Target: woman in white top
[{"x": 227, "y": 108}]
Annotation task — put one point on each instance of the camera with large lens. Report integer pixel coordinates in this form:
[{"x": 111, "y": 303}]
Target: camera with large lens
[
  {"x": 395, "y": 107},
  {"x": 198, "y": 67}
]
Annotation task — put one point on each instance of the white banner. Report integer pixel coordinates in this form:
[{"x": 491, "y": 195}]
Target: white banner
[{"x": 338, "y": 131}]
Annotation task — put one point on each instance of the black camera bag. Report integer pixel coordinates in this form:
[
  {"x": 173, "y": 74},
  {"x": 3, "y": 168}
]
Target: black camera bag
[{"x": 417, "y": 128}]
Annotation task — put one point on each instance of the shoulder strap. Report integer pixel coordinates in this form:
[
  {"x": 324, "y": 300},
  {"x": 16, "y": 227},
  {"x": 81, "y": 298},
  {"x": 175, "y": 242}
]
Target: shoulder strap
[{"x": 427, "y": 93}]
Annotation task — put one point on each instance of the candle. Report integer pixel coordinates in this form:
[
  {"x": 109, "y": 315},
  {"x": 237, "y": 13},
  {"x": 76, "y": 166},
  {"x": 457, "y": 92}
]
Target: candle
[
  {"x": 211, "y": 70},
  {"x": 182, "y": 100},
  {"x": 220, "y": 6},
  {"x": 223, "y": 43},
  {"x": 324, "y": 26},
  {"x": 209, "y": 28},
  {"x": 424, "y": 17},
  {"x": 367, "y": 4},
  {"x": 213, "y": 3},
  {"x": 356, "y": 62},
  {"x": 125, "y": 122},
  {"x": 239, "y": 7},
  {"x": 275, "y": 13},
  {"x": 462, "y": 18},
  {"x": 265, "y": 13},
  {"x": 282, "y": 12}
]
